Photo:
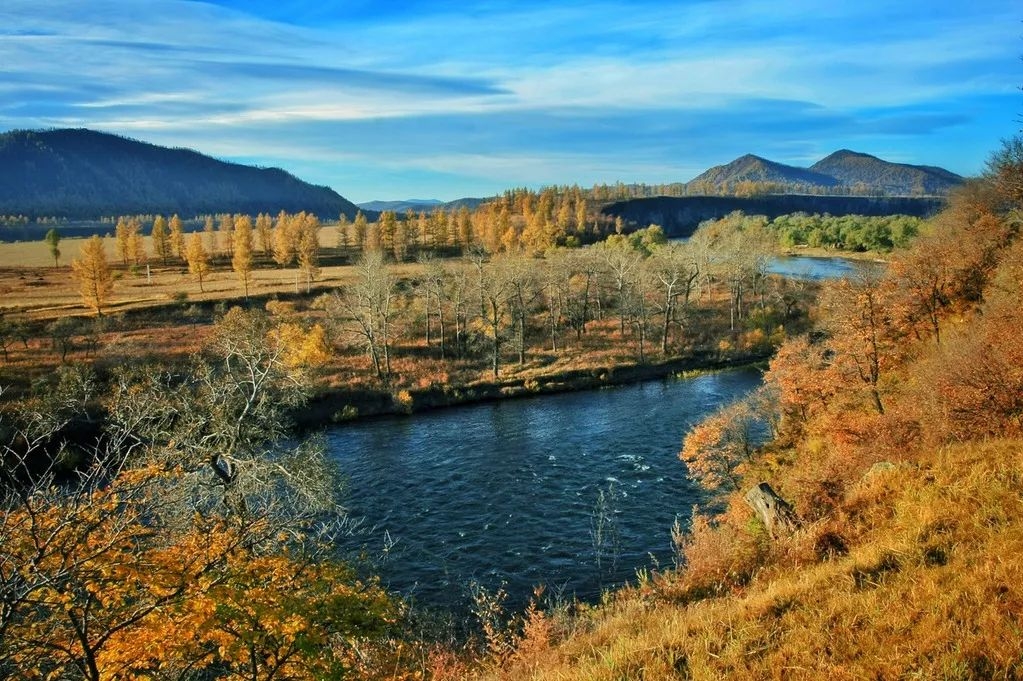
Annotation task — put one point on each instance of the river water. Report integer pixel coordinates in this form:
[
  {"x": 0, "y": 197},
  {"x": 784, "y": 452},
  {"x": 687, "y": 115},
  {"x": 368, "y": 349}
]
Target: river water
[
  {"x": 574, "y": 491},
  {"x": 814, "y": 268}
]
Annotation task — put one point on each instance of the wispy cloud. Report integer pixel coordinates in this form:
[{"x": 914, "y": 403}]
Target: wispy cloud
[{"x": 498, "y": 93}]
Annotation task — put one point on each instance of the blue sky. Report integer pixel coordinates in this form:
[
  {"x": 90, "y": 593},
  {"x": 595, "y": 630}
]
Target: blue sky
[{"x": 414, "y": 99}]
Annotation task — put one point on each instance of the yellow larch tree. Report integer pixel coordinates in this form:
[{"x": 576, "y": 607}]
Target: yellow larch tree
[
  {"x": 161, "y": 239},
  {"x": 264, "y": 226},
  {"x": 241, "y": 259},
  {"x": 198, "y": 259},
  {"x": 177, "y": 236},
  {"x": 309, "y": 248},
  {"x": 96, "y": 282}
]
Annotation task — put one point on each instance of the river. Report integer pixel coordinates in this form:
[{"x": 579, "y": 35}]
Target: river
[
  {"x": 818, "y": 268},
  {"x": 574, "y": 491}
]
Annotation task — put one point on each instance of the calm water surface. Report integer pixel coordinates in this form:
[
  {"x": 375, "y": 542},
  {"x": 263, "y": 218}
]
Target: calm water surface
[
  {"x": 808, "y": 267},
  {"x": 575, "y": 491}
]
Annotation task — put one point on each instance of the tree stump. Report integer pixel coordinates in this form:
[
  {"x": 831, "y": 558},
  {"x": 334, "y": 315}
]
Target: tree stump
[{"x": 776, "y": 513}]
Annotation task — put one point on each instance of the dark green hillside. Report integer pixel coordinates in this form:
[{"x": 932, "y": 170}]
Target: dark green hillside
[
  {"x": 681, "y": 215},
  {"x": 82, "y": 174}
]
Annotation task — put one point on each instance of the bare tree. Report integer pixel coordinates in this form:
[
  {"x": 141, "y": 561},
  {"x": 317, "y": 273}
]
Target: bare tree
[
  {"x": 367, "y": 308},
  {"x": 673, "y": 271}
]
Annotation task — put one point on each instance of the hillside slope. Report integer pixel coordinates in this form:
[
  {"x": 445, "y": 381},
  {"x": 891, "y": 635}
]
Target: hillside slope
[
  {"x": 852, "y": 168},
  {"x": 750, "y": 168},
  {"x": 82, "y": 174}
]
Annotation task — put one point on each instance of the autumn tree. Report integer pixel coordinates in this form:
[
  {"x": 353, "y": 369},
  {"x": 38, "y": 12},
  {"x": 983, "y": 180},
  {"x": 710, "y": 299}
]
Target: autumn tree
[
  {"x": 264, "y": 233},
  {"x": 198, "y": 259},
  {"x": 342, "y": 233},
  {"x": 801, "y": 375},
  {"x": 122, "y": 237},
  {"x": 494, "y": 288},
  {"x": 519, "y": 275},
  {"x": 431, "y": 287},
  {"x": 622, "y": 263},
  {"x": 209, "y": 229},
  {"x": 359, "y": 230},
  {"x": 160, "y": 238},
  {"x": 95, "y": 279},
  {"x": 1005, "y": 168},
  {"x": 285, "y": 244},
  {"x": 309, "y": 248},
  {"x": 241, "y": 262},
  {"x": 181, "y": 551},
  {"x": 136, "y": 244},
  {"x": 715, "y": 449},
  {"x": 861, "y": 316},
  {"x": 226, "y": 228},
  {"x": 387, "y": 225},
  {"x": 177, "y": 236}
]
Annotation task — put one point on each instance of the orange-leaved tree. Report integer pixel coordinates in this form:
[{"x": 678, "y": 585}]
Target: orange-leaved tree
[{"x": 715, "y": 449}]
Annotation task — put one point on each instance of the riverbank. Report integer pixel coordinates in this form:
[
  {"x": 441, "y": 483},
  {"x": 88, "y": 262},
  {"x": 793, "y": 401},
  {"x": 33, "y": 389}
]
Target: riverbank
[
  {"x": 830, "y": 253},
  {"x": 342, "y": 405}
]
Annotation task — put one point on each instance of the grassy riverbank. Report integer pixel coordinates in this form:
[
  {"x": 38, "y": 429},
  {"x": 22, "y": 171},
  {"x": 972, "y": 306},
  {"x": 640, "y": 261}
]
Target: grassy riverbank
[{"x": 898, "y": 440}]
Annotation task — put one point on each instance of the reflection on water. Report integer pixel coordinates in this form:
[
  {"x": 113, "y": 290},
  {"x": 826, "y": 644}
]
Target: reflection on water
[{"x": 528, "y": 491}]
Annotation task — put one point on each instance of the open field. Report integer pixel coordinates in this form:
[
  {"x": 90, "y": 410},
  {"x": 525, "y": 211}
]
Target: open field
[{"x": 32, "y": 287}]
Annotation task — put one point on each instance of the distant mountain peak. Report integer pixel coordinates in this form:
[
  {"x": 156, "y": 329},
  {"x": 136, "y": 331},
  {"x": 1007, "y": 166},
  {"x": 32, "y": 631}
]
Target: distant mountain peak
[
  {"x": 753, "y": 168},
  {"x": 844, "y": 169}
]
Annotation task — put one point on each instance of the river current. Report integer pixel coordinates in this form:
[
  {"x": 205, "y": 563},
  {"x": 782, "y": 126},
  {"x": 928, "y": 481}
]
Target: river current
[{"x": 574, "y": 491}]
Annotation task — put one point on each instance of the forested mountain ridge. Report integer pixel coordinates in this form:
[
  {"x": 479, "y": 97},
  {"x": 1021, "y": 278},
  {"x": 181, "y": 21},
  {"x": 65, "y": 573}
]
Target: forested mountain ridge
[
  {"x": 418, "y": 205},
  {"x": 81, "y": 173},
  {"x": 844, "y": 171}
]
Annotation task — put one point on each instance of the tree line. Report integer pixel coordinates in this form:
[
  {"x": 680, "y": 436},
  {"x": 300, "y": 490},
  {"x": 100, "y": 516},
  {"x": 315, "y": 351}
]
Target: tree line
[{"x": 857, "y": 233}]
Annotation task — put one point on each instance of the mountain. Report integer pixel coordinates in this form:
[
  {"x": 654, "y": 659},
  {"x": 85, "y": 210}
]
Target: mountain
[
  {"x": 401, "y": 206},
  {"x": 842, "y": 172},
  {"x": 424, "y": 205},
  {"x": 82, "y": 174},
  {"x": 756, "y": 169},
  {"x": 852, "y": 168}
]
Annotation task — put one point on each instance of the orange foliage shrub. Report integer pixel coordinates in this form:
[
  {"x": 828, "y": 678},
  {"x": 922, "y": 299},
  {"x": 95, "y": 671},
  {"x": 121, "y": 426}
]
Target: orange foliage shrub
[{"x": 716, "y": 557}]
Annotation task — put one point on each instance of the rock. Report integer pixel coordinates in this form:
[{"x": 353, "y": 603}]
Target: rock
[{"x": 776, "y": 513}]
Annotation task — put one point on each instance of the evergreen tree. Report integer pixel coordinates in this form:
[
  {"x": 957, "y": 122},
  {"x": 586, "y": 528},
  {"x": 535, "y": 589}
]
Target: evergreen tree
[{"x": 53, "y": 241}]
